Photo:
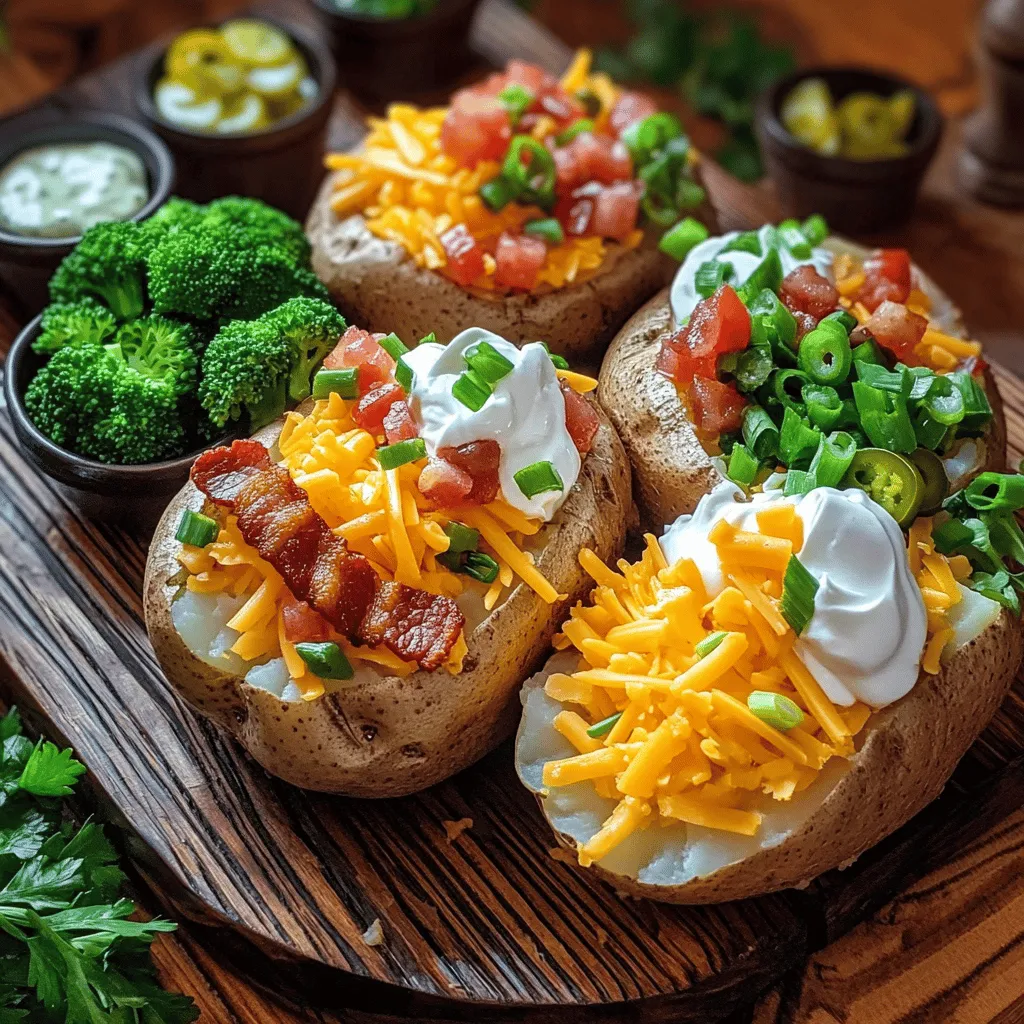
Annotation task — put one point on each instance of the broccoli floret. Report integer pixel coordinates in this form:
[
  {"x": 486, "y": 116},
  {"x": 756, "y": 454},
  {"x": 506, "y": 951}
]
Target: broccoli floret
[
  {"x": 175, "y": 215},
  {"x": 162, "y": 349},
  {"x": 259, "y": 224},
  {"x": 255, "y": 367},
  {"x": 107, "y": 264},
  {"x": 74, "y": 323}
]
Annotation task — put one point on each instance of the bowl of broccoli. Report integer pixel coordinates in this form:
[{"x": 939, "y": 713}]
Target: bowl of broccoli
[{"x": 162, "y": 339}]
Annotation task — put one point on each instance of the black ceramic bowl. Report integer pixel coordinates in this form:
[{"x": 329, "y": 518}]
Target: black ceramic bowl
[
  {"x": 382, "y": 59},
  {"x": 27, "y": 263},
  {"x": 136, "y": 494},
  {"x": 283, "y": 165},
  {"x": 855, "y": 196}
]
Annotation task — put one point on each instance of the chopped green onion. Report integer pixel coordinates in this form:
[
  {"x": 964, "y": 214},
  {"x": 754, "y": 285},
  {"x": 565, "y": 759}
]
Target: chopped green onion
[
  {"x": 548, "y": 229},
  {"x": 824, "y": 406},
  {"x": 753, "y": 366},
  {"x": 325, "y": 660},
  {"x": 798, "y": 481},
  {"x": 767, "y": 274},
  {"x": 815, "y": 229},
  {"x": 197, "y": 530},
  {"x": 515, "y": 99},
  {"x": 461, "y": 538},
  {"x": 989, "y": 491},
  {"x": 775, "y": 709},
  {"x": 977, "y": 411},
  {"x": 602, "y": 728},
  {"x": 779, "y": 323},
  {"x": 538, "y": 478},
  {"x": 745, "y": 241},
  {"x": 885, "y": 418},
  {"x": 534, "y": 180},
  {"x": 797, "y": 441},
  {"x": 951, "y": 536},
  {"x": 392, "y": 456},
  {"x": 644, "y": 138},
  {"x": 760, "y": 434},
  {"x": 793, "y": 239},
  {"x": 584, "y": 124},
  {"x": 711, "y": 276},
  {"x": 559, "y": 362},
  {"x": 943, "y": 402},
  {"x": 428, "y": 339},
  {"x": 689, "y": 195},
  {"x": 590, "y": 100},
  {"x": 743, "y": 465},
  {"x": 704, "y": 647},
  {"x": 798, "y": 590},
  {"x": 471, "y": 391},
  {"x": 480, "y": 567},
  {"x": 488, "y": 363},
  {"x": 930, "y": 433},
  {"x": 343, "y": 382},
  {"x": 679, "y": 240},
  {"x": 782, "y": 383},
  {"x": 497, "y": 193},
  {"x": 825, "y": 353},
  {"x": 832, "y": 459},
  {"x": 393, "y": 345},
  {"x": 404, "y": 375},
  {"x": 846, "y": 320},
  {"x": 868, "y": 352}
]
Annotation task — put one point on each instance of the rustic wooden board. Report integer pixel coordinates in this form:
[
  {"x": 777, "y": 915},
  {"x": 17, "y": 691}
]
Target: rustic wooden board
[{"x": 486, "y": 927}]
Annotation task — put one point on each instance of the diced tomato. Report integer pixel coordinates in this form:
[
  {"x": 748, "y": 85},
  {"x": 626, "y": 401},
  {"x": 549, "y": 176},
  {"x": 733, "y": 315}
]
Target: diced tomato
[
  {"x": 476, "y": 128},
  {"x": 518, "y": 259},
  {"x": 480, "y": 460},
  {"x": 615, "y": 211},
  {"x": 374, "y": 406},
  {"x": 898, "y": 329},
  {"x": 804, "y": 323},
  {"x": 399, "y": 424},
  {"x": 718, "y": 324},
  {"x": 303, "y": 624},
  {"x": 529, "y": 76},
  {"x": 361, "y": 348},
  {"x": 716, "y": 407},
  {"x": 887, "y": 277},
  {"x": 678, "y": 363},
  {"x": 591, "y": 157},
  {"x": 580, "y": 419},
  {"x": 630, "y": 108},
  {"x": 465, "y": 257},
  {"x": 806, "y": 290},
  {"x": 443, "y": 484},
  {"x": 575, "y": 210}
]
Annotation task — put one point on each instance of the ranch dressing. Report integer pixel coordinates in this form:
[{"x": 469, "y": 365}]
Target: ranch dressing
[
  {"x": 59, "y": 191},
  {"x": 684, "y": 296},
  {"x": 525, "y": 414},
  {"x": 866, "y": 636}
]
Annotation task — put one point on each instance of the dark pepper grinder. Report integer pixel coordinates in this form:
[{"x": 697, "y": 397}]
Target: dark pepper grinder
[{"x": 992, "y": 159}]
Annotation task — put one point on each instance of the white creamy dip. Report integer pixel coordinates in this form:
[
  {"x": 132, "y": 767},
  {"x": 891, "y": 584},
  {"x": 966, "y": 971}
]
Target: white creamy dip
[
  {"x": 525, "y": 414},
  {"x": 684, "y": 296},
  {"x": 865, "y": 639}
]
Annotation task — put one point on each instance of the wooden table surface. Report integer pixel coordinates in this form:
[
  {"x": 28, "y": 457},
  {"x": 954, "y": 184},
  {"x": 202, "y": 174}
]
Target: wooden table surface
[{"x": 951, "y": 948}]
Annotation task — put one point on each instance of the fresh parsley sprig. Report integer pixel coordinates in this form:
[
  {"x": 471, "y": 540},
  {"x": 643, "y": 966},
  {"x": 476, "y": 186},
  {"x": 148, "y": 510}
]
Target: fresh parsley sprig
[{"x": 69, "y": 951}]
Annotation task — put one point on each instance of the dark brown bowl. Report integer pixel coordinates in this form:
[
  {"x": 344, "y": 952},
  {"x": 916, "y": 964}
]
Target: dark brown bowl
[
  {"x": 383, "y": 59},
  {"x": 135, "y": 494},
  {"x": 855, "y": 196},
  {"x": 283, "y": 165},
  {"x": 27, "y": 263}
]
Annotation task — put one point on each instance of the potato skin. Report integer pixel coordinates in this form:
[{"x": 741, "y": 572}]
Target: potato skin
[
  {"x": 671, "y": 470},
  {"x": 909, "y": 751},
  {"x": 377, "y": 284},
  {"x": 392, "y": 736}
]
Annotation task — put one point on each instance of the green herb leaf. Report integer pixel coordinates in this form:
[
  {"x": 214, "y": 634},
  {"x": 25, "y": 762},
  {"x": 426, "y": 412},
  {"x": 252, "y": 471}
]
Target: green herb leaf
[{"x": 50, "y": 772}]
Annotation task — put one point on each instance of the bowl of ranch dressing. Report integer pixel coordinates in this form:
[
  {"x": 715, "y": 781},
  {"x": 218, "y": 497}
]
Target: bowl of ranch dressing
[{"x": 58, "y": 177}]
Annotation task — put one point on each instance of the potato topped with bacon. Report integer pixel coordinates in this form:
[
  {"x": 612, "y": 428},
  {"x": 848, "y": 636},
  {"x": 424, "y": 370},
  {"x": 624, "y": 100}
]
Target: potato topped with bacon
[{"x": 358, "y": 591}]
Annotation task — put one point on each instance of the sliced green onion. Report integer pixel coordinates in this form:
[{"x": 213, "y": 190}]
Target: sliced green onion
[
  {"x": 767, "y": 274},
  {"x": 878, "y": 376},
  {"x": 951, "y": 536},
  {"x": 393, "y": 345},
  {"x": 533, "y": 181},
  {"x": 689, "y": 195},
  {"x": 793, "y": 239},
  {"x": 746, "y": 241},
  {"x": 929, "y": 433},
  {"x": 559, "y": 362},
  {"x": 325, "y": 660},
  {"x": 778, "y": 321},
  {"x": 989, "y": 491},
  {"x": 515, "y": 99},
  {"x": 480, "y": 567},
  {"x": 782, "y": 383},
  {"x": 602, "y": 728},
  {"x": 497, "y": 193},
  {"x": 538, "y": 478},
  {"x": 196, "y": 529},
  {"x": 679, "y": 240},
  {"x": 798, "y": 590},
  {"x": 797, "y": 441},
  {"x": 392, "y": 456},
  {"x": 644, "y": 138},
  {"x": 704, "y": 647},
  {"x": 760, "y": 434},
  {"x": 743, "y": 465},
  {"x": 590, "y": 100},
  {"x": 471, "y": 391},
  {"x": 343, "y": 382},
  {"x": 798, "y": 481},
  {"x": 825, "y": 354},
  {"x": 846, "y": 320},
  {"x": 884, "y": 417},
  {"x": 977, "y": 411},
  {"x": 404, "y": 375},
  {"x": 461, "y": 538},
  {"x": 428, "y": 339},
  {"x": 753, "y": 365},
  {"x": 815, "y": 229},
  {"x": 584, "y": 124},
  {"x": 548, "y": 229},
  {"x": 832, "y": 459},
  {"x": 824, "y": 406},
  {"x": 711, "y": 276},
  {"x": 868, "y": 352},
  {"x": 943, "y": 402},
  {"x": 488, "y": 363},
  {"x": 775, "y": 709}
]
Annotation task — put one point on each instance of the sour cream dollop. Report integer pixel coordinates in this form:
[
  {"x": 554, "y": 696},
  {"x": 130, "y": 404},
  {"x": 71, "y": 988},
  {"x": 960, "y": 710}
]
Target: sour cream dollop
[
  {"x": 684, "y": 296},
  {"x": 525, "y": 414},
  {"x": 865, "y": 639}
]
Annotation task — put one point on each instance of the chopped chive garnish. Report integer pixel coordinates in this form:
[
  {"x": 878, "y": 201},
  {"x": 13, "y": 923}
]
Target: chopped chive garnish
[
  {"x": 793, "y": 239},
  {"x": 548, "y": 229},
  {"x": 461, "y": 538},
  {"x": 480, "y": 567},
  {"x": 743, "y": 465},
  {"x": 537, "y": 478},
  {"x": 325, "y": 660},
  {"x": 471, "y": 391},
  {"x": 992, "y": 491},
  {"x": 798, "y": 590},
  {"x": 393, "y": 345},
  {"x": 679, "y": 240},
  {"x": 394, "y": 455},
  {"x": 711, "y": 276},
  {"x": 775, "y": 709},
  {"x": 605, "y": 726},
  {"x": 343, "y": 382},
  {"x": 560, "y": 362},
  {"x": 403, "y": 374},
  {"x": 798, "y": 481},
  {"x": 428, "y": 339},
  {"x": 196, "y": 529},
  {"x": 815, "y": 229},
  {"x": 488, "y": 363},
  {"x": 704, "y": 647}
]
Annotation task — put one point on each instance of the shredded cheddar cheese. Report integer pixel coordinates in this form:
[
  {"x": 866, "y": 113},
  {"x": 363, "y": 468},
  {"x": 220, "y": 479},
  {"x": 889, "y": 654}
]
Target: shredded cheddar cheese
[{"x": 938, "y": 578}]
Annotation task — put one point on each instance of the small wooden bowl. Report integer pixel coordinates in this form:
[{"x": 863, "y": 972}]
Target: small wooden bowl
[
  {"x": 27, "y": 262},
  {"x": 283, "y": 165},
  {"x": 135, "y": 494},
  {"x": 383, "y": 59},
  {"x": 855, "y": 196}
]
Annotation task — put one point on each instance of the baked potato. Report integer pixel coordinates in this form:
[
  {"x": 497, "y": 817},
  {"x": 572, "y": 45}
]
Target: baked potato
[
  {"x": 382, "y": 732},
  {"x": 672, "y": 468}
]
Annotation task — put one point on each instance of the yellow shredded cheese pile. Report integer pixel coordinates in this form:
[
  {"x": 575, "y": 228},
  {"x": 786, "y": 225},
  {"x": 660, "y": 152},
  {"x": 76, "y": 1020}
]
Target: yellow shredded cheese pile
[
  {"x": 937, "y": 350},
  {"x": 411, "y": 192}
]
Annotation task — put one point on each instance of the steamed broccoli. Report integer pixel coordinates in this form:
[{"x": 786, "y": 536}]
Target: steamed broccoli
[
  {"x": 107, "y": 264},
  {"x": 257, "y": 366},
  {"x": 73, "y": 323},
  {"x": 175, "y": 215},
  {"x": 259, "y": 224},
  {"x": 162, "y": 349}
]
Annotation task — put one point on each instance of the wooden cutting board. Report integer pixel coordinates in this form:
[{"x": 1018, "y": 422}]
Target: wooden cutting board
[{"x": 485, "y": 926}]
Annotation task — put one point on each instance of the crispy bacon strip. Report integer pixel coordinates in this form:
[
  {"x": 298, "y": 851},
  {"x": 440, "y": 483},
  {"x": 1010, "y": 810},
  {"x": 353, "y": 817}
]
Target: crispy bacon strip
[{"x": 276, "y": 518}]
